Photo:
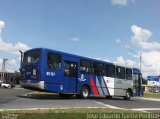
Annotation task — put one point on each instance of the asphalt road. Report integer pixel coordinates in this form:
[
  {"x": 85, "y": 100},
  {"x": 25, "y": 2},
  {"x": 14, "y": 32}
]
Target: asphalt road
[
  {"x": 133, "y": 104},
  {"x": 17, "y": 99},
  {"x": 10, "y": 95}
]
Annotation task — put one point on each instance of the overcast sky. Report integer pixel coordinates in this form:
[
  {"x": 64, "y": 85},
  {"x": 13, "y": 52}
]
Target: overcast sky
[{"x": 92, "y": 28}]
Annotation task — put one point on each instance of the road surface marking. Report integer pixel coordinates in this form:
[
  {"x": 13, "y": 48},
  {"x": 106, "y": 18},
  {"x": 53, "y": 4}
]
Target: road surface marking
[
  {"x": 143, "y": 109},
  {"x": 150, "y": 99},
  {"x": 109, "y": 106}
]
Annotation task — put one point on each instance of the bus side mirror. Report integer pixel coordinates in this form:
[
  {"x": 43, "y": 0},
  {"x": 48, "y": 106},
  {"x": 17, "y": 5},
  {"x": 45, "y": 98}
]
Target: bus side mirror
[{"x": 21, "y": 58}]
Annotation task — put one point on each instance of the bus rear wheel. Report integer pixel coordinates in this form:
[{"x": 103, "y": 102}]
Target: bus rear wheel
[
  {"x": 128, "y": 95},
  {"x": 84, "y": 93}
]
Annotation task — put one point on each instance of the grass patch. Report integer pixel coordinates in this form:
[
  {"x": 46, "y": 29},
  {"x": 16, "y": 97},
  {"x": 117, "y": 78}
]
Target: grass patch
[
  {"x": 71, "y": 110},
  {"x": 152, "y": 95},
  {"x": 81, "y": 113},
  {"x": 43, "y": 93}
]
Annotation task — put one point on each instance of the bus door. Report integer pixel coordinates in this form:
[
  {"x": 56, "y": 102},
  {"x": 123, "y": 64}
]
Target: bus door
[
  {"x": 136, "y": 85},
  {"x": 70, "y": 76}
]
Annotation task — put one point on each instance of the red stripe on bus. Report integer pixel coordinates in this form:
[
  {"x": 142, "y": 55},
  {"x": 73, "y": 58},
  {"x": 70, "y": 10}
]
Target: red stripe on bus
[{"x": 93, "y": 86}]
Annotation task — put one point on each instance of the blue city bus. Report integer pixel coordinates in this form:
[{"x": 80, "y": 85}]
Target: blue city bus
[{"x": 68, "y": 74}]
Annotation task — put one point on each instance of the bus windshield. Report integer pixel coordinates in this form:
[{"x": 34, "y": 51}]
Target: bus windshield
[{"x": 31, "y": 57}]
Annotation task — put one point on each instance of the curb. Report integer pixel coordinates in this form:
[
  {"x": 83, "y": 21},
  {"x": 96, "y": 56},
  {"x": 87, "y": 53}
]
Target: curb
[
  {"x": 151, "y": 99},
  {"x": 53, "y": 108}
]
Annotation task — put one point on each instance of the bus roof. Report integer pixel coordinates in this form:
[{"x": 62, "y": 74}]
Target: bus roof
[{"x": 136, "y": 70}]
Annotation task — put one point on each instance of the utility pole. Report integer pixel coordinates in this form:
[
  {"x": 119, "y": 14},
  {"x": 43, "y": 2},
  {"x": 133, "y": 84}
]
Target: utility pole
[
  {"x": 4, "y": 68},
  {"x": 140, "y": 61},
  {"x": 139, "y": 57}
]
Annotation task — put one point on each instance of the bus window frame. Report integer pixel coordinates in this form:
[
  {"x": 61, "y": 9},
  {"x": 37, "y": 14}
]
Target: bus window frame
[
  {"x": 69, "y": 69},
  {"x": 53, "y": 67},
  {"x": 127, "y": 77},
  {"x": 100, "y": 73},
  {"x": 84, "y": 71},
  {"x": 106, "y": 70},
  {"x": 25, "y": 60},
  {"x": 116, "y": 74}
]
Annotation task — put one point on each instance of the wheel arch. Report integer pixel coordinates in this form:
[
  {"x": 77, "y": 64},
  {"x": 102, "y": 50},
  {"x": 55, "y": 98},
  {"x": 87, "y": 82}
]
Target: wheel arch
[
  {"x": 130, "y": 90},
  {"x": 86, "y": 85}
]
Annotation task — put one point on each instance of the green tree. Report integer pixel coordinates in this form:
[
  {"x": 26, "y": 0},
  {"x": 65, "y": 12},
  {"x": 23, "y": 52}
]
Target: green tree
[{"x": 144, "y": 81}]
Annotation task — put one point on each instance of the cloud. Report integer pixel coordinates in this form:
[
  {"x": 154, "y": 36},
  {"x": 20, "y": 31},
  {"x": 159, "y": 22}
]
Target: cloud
[
  {"x": 12, "y": 65},
  {"x": 9, "y": 47},
  {"x": 141, "y": 37},
  {"x": 1, "y": 26},
  {"x": 127, "y": 63},
  {"x": 151, "y": 62},
  {"x": 119, "y": 2},
  {"x": 75, "y": 39},
  {"x": 117, "y": 40},
  {"x": 150, "y": 51},
  {"x": 1, "y": 63},
  {"x": 12, "y": 62},
  {"x": 13, "y": 48},
  {"x": 146, "y": 69}
]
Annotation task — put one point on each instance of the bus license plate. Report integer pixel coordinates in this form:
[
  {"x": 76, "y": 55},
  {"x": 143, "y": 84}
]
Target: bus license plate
[{"x": 28, "y": 81}]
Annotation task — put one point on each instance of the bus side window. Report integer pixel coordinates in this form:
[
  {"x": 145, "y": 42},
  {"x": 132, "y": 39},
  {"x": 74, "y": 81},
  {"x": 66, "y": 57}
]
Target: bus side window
[
  {"x": 73, "y": 70},
  {"x": 66, "y": 68},
  {"x": 70, "y": 69},
  {"x": 54, "y": 61},
  {"x": 110, "y": 70},
  {"x": 120, "y": 72},
  {"x": 128, "y": 74},
  {"x": 98, "y": 68},
  {"x": 85, "y": 66}
]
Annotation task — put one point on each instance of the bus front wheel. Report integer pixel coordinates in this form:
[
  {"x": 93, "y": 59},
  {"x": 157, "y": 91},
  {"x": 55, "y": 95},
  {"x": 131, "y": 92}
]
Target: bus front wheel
[
  {"x": 84, "y": 92},
  {"x": 128, "y": 95}
]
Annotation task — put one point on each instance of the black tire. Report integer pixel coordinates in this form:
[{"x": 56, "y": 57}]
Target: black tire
[
  {"x": 108, "y": 97},
  {"x": 84, "y": 93},
  {"x": 65, "y": 96},
  {"x": 128, "y": 95},
  {"x": 4, "y": 87},
  {"x": 78, "y": 96}
]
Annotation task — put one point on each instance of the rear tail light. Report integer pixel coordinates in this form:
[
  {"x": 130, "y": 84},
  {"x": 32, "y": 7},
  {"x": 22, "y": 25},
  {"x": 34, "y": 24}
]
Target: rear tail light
[{"x": 34, "y": 72}]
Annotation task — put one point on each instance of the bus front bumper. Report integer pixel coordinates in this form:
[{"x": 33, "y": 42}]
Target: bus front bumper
[{"x": 38, "y": 85}]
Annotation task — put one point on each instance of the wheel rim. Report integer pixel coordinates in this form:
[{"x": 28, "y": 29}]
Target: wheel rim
[
  {"x": 85, "y": 92},
  {"x": 128, "y": 94}
]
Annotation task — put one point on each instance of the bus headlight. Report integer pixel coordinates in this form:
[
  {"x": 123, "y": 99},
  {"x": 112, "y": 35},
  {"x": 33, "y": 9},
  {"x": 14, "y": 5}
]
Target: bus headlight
[{"x": 61, "y": 87}]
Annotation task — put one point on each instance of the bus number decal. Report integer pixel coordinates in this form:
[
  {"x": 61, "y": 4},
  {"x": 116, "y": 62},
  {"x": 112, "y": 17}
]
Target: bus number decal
[{"x": 50, "y": 73}]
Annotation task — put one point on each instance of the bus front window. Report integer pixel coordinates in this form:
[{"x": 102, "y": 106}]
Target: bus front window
[{"x": 31, "y": 57}]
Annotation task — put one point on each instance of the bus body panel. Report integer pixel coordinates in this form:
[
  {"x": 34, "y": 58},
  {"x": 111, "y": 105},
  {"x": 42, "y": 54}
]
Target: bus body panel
[
  {"x": 55, "y": 80},
  {"x": 83, "y": 79},
  {"x": 31, "y": 74},
  {"x": 137, "y": 84},
  {"x": 110, "y": 82}
]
